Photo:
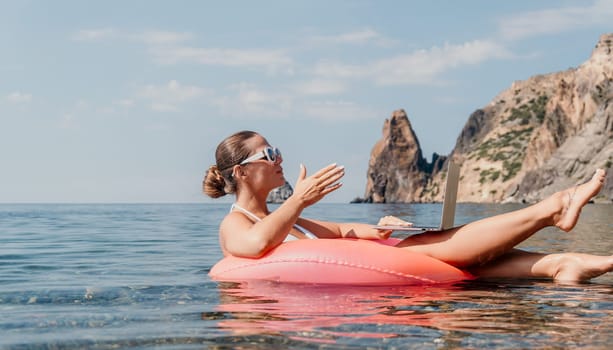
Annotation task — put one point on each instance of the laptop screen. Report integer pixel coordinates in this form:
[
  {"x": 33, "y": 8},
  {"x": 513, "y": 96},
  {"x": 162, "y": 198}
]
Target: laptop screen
[{"x": 451, "y": 193}]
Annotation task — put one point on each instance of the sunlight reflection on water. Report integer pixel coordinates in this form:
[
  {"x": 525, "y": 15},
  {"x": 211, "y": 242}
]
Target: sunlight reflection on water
[{"x": 491, "y": 313}]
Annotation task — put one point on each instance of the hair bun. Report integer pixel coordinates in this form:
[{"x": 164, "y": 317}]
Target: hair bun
[{"x": 214, "y": 183}]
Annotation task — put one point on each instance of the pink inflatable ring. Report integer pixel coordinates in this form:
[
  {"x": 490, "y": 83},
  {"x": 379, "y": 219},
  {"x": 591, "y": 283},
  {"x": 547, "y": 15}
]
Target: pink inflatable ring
[{"x": 339, "y": 261}]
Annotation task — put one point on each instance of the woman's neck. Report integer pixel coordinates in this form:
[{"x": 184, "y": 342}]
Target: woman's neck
[{"x": 255, "y": 204}]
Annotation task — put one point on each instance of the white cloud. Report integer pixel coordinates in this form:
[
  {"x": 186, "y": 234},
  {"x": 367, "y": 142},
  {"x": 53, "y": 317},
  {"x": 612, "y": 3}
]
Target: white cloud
[
  {"x": 159, "y": 37},
  {"x": 320, "y": 87},
  {"x": 166, "y": 48},
  {"x": 330, "y": 78},
  {"x": 427, "y": 66},
  {"x": 419, "y": 67},
  {"x": 168, "y": 97},
  {"x": 151, "y": 37},
  {"x": 557, "y": 20},
  {"x": 172, "y": 91},
  {"x": 94, "y": 34},
  {"x": 221, "y": 57},
  {"x": 251, "y": 101},
  {"x": 362, "y": 36},
  {"x": 19, "y": 97}
]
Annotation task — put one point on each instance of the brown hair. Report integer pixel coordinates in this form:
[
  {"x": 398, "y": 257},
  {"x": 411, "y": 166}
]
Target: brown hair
[{"x": 218, "y": 180}]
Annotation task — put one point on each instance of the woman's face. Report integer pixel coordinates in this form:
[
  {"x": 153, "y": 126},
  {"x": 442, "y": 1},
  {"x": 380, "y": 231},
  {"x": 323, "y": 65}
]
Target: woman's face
[{"x": 262, "y": 172}]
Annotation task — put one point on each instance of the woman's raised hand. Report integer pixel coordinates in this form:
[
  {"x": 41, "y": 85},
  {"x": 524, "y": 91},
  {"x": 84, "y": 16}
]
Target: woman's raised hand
[{"x": 313, "y": 188}]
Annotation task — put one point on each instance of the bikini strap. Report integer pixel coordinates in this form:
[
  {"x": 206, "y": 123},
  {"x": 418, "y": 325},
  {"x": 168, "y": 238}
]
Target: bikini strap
[
  {"x": 303, "y": 230},
  {"x": 244, "y": 211}
]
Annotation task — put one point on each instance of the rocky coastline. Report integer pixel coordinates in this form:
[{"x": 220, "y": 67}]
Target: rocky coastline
[{"x": 539, "y": 136}]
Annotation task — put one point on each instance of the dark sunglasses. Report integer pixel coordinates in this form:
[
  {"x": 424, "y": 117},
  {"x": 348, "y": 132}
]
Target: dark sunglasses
[{"x": 270, "y": 153}]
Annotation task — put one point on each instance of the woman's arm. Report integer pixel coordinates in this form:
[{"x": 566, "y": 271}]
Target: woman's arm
[
  {"x": 328, "y": 229},
  {"x": 241, "y": 237}
]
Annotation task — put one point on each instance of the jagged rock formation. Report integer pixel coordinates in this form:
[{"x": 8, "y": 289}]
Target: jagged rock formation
[
  {"x": 397, "y": 171},
  {"x": 280, "y": 194},
  {"x": 539, "y": 136}
]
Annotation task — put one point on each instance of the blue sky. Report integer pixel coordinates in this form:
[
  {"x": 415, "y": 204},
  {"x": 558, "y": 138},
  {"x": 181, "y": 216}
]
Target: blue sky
[{"x": 125, "y": 101}]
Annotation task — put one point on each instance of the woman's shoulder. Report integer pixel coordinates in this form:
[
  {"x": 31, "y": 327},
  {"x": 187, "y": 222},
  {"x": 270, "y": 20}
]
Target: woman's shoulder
[
  {"x": 234, "y": 216},
  {"x": 234, "y": 221}
]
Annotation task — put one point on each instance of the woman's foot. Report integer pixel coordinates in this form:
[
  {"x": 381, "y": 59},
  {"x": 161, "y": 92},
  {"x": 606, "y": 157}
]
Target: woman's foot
[
  {"x": 574, "y": 267},
  {"x": 573, "y": 200}
]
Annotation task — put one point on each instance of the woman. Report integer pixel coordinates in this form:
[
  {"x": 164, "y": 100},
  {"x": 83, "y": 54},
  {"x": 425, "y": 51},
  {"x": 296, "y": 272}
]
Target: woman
[{"x": 249, "y": 167}]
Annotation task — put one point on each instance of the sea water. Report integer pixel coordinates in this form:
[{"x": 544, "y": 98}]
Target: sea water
[{"x": 135, "y": 276}]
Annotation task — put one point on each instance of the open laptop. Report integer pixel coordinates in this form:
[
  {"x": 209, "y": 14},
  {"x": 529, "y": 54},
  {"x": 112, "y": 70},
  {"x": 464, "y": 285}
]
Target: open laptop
[{"x": 449, "y": 204}]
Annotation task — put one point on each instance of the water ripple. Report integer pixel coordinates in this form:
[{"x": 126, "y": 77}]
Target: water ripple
[{"x": 121, "y": 276}]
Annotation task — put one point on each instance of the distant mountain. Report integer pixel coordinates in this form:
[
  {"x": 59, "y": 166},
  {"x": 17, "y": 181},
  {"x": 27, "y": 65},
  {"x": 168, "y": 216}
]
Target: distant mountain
[{"x": 541, "y": 135}]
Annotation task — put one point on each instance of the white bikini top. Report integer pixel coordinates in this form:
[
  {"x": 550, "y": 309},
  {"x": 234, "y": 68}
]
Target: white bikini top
[{"x": 306, "y": 232}]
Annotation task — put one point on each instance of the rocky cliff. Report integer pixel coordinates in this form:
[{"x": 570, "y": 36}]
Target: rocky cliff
[
  {"x": 540, "y": 135},
  {"x": 397, "y": 171},
  {"x": 280, "y": 194}
]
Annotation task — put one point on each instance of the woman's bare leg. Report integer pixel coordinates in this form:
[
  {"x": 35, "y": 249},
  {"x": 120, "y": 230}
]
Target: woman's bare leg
[
  {"x": 481, "y": 241},
  {"x": 565, "y": 267}
]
